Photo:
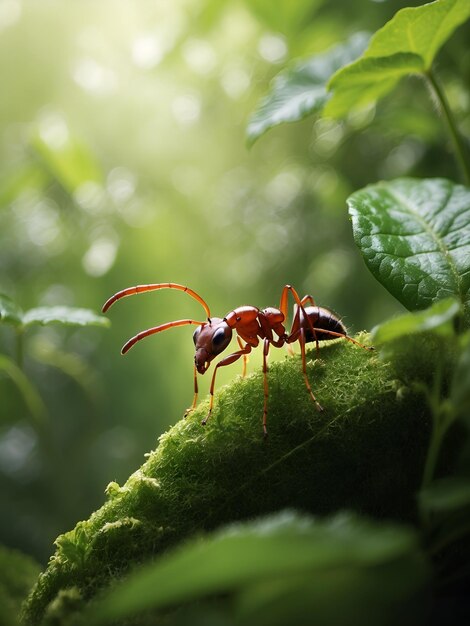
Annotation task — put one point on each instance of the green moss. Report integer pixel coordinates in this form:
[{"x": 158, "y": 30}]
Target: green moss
[{"x": 365, "y": 452}]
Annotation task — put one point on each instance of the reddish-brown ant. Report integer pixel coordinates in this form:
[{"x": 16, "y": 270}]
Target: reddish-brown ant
[{"x": 310, "y": 323}]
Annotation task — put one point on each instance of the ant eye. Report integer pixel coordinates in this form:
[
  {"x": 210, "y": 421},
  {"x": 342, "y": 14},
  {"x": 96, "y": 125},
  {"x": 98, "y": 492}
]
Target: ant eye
[
  {"x": 220, "y": 339},
  {"x": 196, "y": 334}
]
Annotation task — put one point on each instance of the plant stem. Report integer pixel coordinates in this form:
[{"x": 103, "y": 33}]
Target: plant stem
[
  {"x": 19, "y": 348},
  {"x": 457, "y": 140},
  {"x": 440, "y": 427},
  {"x": 442, "y": 418}
]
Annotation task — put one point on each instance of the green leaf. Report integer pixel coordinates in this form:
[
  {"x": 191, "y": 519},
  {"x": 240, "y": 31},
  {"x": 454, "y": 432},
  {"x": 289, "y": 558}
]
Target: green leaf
[
  {"x": 273, "y": 549},
  {"x": 460, "y": 390},
  {"x": 64, "y": 315},
  {"x": 446, "y": 495},
  {"x": 301, "y": 90},
  {"x": 69, "y": 160},
  {"x": 439, "y": 317},
  {"x": 25, "y": 177},
  {"x": 367, "y": 80},
  {"x": 421, "y": 30},
  {"x": 284, "y": 16},
  {"x": 407, "y": 44},
  {"x": 29, "y": 392},
  {"x": 10, "y": 313},
  {"x": 414, "y": 236}
]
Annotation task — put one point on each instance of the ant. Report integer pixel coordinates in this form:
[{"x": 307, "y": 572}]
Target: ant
[{"x": 252, "y": 325}]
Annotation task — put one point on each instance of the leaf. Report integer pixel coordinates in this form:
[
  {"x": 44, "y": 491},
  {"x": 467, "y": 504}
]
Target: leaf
[
  {"x": 445, "y": 504},
  {"x": 446, "y": 495},
  {"x": 64, "y": 315},
  {"x": 274, "y": 548},
  {"x": 29, "y": 392},
  {"x": 25, "y": 177},
  {"x": 69, "y": 160},
  {"x": 414, "y": 236},
  {"x": 301, "y": 90},
  {"x": 367, "y": 80},
  {"x": 460, "y": 389},
  {"x": 421, "y": 30},
  {"x": 284, "y": 16},
  {"x": 10, "y": 313},
  {"x": 439, "y": 317},
  {"x": 408, "y": 43}
]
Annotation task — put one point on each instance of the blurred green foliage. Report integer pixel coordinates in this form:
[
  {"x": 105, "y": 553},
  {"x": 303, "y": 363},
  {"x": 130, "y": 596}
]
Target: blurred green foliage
[{"x": 123, "y": 161}]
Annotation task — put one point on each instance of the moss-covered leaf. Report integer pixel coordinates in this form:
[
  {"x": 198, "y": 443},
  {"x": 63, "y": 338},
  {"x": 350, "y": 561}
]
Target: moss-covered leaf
[
  {"x": 68, "y": 316},
  {"x": 414, "y": 236},
  {"x": 301, "y": 90},
  {"x": 275, "y": 551},
  {"x": 349, "y": 456},
  {"x": 10, "y": 313},
  {"x": 407, "y": 44}
]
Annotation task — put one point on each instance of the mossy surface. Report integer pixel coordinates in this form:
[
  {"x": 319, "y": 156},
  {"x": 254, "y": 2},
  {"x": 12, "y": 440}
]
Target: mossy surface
[{"x": 365, "y": 452}]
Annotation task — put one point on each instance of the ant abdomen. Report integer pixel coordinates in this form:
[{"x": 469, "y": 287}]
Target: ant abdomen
[{"x": 323, "y": 319}]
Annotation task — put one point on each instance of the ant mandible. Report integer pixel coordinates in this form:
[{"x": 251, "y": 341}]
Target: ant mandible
[{"x": 252, "y": 325}]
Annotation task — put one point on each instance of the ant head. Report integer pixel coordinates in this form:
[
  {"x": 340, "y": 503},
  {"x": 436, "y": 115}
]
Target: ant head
[{"x": 210, "y": 339}]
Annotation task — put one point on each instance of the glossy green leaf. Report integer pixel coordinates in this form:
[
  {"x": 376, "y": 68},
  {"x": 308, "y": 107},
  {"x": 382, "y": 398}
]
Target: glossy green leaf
[
  {"x": 10, "y": 313},
  {"x": 273, "y": 548},
  {"x": 439, "y": 317},
  {"x": 64, "y": 315},
  {"x": 407, "y": 44},
  {"x": 414, "y": 236},
  {"x": 301, "y": 90}
]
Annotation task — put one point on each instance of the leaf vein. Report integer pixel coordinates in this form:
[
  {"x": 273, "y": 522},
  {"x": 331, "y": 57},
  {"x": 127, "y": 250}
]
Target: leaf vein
[{"x": 400, "y": 199}]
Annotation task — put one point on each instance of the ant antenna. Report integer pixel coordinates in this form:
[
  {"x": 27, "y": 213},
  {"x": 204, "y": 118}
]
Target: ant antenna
[{"x": 131, "y": 291}]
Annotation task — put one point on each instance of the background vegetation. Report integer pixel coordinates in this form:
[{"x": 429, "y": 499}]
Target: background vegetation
[{"x": 123, "y": 161}]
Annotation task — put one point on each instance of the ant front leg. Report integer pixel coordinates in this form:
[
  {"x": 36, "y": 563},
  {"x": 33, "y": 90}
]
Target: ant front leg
[
  {"x": 265, "y": 385},
  {"x": 193, "y": 406},
  {"x": 231, "y": 358},
  {"x": 245, "y": 358}
]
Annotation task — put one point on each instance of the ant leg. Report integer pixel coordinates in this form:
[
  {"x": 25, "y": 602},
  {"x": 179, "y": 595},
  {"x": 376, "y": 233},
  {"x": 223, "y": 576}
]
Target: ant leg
[
  {"x": 193, "y": 406},
  {"x": 347, "y": 337},
  {"x": 231, "y": 358},
  {"x": 306, "y": 299},
  {"x": 245, "y": 358},
  {"x": 265, "y": 385},
  {"x": 300, "y": 307},
  {"x": 304, "y": 369}
]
